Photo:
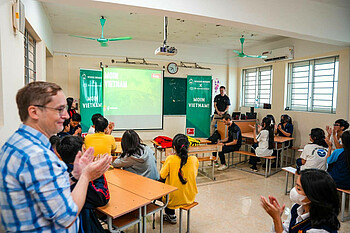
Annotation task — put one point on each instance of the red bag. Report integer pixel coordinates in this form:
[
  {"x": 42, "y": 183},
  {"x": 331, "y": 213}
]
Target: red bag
[{"x": 164, "y": 141}]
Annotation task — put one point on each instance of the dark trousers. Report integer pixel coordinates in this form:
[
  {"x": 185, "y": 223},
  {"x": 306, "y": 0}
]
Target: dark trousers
[
  {"x": 169, "y": 211},
  {"x": 252, "y": 159},
  {"x": 226, "y": 149}
]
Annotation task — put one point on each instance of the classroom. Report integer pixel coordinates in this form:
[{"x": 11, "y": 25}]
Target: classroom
[{"x": 172, "y": 92}]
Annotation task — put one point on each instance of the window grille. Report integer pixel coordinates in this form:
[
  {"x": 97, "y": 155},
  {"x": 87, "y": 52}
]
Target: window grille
[
  {"x": 256, "y": 86},
  {"x": 313, "y": 85}
]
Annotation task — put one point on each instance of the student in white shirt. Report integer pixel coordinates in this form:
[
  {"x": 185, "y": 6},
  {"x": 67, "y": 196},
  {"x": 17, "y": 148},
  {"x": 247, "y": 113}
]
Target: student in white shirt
[
  {"x": 334, "y": 135},
  {"x": 265, "y": 140},
  {"x": 316, "y": 205},
  {"x": 315, "y": 153}
]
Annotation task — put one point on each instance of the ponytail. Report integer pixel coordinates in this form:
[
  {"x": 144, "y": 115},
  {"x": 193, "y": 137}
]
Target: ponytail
[
  {"x": 181, "y": 144},
  {"x": 183, "y": 156},
  {"x": 269, "y": 126},
  {"x": 318, "y": 137}
]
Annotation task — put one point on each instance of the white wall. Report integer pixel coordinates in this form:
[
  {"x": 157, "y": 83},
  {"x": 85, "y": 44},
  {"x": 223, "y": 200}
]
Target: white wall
[
  {"x": 303, "y": 121},
  {"x": 12, "y": 60},
  {"x": 12, "y": 72}
]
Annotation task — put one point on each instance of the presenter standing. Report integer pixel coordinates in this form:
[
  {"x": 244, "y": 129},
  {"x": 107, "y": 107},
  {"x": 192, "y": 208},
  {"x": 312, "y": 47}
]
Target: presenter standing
[{"x": 221, "y": 105}]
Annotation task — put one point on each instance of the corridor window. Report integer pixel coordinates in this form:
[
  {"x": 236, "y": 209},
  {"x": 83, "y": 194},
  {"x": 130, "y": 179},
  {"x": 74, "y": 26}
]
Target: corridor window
[
  {"x": 256, "y": 86},
  {"x": 313, "y": 85},
  {"x": 29, "y": 58}
]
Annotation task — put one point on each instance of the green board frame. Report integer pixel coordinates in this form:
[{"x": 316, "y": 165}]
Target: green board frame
[{"x": 174, "y": 96}]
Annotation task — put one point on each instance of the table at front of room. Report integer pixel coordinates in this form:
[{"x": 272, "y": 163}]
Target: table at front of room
[
  {"x": 161, "y": 150},
  {"x": 278, "y": 140},
  {"x": 141, "y": 186}
]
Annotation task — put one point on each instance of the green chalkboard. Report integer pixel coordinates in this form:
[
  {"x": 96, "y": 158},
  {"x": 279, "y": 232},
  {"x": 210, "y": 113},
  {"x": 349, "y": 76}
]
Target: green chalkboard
[{"x": 174, "y": 96}]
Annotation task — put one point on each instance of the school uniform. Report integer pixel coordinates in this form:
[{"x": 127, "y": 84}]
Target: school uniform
[
  {"x": 338, "y": 169},
  {"x": 315, "y": 156},
  {"x": 300, "y": 222},
  {"x": 262, "y": 150}
]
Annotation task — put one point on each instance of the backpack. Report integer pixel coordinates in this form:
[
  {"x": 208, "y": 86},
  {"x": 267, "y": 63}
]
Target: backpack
[
  {"x": 164, "y": 141},
  {"x": 193, "y": 141},
  {"x": 215, "y": 137}
]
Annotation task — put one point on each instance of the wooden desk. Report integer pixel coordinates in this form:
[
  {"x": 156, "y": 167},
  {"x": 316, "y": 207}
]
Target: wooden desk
[
  {"x": 122, "y": 202},
  {"x": 203, "y": 140},
  {"x": 242, "y": 124},
  {"x": 141, "y": 186}
]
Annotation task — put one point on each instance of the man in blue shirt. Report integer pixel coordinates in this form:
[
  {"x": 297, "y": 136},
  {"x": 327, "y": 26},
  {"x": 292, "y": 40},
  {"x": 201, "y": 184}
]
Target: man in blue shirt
[{"x": 35, "y": 191}]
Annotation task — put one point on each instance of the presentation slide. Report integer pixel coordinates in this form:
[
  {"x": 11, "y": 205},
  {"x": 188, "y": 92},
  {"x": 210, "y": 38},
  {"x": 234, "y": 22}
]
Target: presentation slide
[{"x": 133, "y": 98}]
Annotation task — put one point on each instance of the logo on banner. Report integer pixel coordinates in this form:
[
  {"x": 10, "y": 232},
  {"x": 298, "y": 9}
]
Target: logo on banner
[{"x": 190, "y": 131}]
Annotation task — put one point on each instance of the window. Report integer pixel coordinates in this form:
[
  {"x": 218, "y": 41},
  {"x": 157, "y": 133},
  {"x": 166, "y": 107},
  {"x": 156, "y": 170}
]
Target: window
[
  {"x": 313, "y": 85},
  {"x": 256, "y": 86},
  {"x": 29, "y": 58}
]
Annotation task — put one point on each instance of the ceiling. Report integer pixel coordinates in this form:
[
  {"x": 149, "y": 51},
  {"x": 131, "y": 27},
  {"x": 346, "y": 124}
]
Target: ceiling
[{"x": 73, "y": 20}]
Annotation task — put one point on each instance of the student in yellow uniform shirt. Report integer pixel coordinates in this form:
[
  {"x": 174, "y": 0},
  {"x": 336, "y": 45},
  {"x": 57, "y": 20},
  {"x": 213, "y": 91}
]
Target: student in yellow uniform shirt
[
  {"x": 101, "y": 142},
  {"x": 180, "y": 170}
]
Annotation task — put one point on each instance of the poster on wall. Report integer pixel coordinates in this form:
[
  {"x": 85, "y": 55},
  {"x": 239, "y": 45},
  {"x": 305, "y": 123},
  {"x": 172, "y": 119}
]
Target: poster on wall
[
  {"x": 198, "y": 108},
  {"x": 90, "y": 96}
]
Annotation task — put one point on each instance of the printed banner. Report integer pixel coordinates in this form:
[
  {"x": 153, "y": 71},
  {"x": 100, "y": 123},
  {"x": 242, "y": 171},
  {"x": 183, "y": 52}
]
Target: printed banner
[
  {"x": 90, "y": 96},
  {"x": 198, "y": 108}
]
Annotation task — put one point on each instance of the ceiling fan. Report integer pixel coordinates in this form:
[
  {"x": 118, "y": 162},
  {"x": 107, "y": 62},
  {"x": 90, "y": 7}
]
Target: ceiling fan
[
  {"x": 103, "y": 41},
  {"x": 242, "y": 54}
]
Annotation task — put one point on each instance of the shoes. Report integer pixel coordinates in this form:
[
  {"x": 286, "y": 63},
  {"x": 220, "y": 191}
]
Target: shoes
[
  {"x": 254, "y": 168},
  {"x": 170, "y": 218},
  {"x": 216, "y": 164},
  {"x": 222, "y": 167}
]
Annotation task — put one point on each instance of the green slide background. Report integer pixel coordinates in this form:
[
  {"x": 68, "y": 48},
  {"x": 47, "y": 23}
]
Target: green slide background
[{"x": 143, "y": 95}]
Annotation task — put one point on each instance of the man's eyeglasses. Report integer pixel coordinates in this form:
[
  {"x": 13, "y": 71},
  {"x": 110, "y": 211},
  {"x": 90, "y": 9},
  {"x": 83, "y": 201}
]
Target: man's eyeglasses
[{"x": 60, "y": 110}]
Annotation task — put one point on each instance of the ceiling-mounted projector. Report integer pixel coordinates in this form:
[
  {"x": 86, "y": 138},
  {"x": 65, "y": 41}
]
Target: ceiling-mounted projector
[{"x": 166, "y": 50}]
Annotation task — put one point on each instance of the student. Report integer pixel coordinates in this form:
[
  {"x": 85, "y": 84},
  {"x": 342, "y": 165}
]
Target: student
[
  {"x": 231, "y": 143},
  {"x": 334, "y": 135},
  {"x": 339, "y": 162},
  {"x": 285, "y": 127},
  {"x": 314, "y": 154},
  {"x": 75, "y": 127},
  {"x": 101, "y": 142},
  {"x": 55, "y": 143},
  {"x": 316, "y": 205},
  {"x": 97, "y": 193},
  {"x": 108, "y": 130},
  {"x": 137, "y": 157},
  {"x": 180, "y": 170},
  {"x": 71, "y": 106},
  {"x": 265, "y": 139},
  {"x": 66, "y": 129},
  {"x": 93, "y": 119}
]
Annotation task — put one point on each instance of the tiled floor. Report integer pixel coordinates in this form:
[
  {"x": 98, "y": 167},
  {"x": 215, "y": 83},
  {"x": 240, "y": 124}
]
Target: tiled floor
[{"x": 232, "y": 204}]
